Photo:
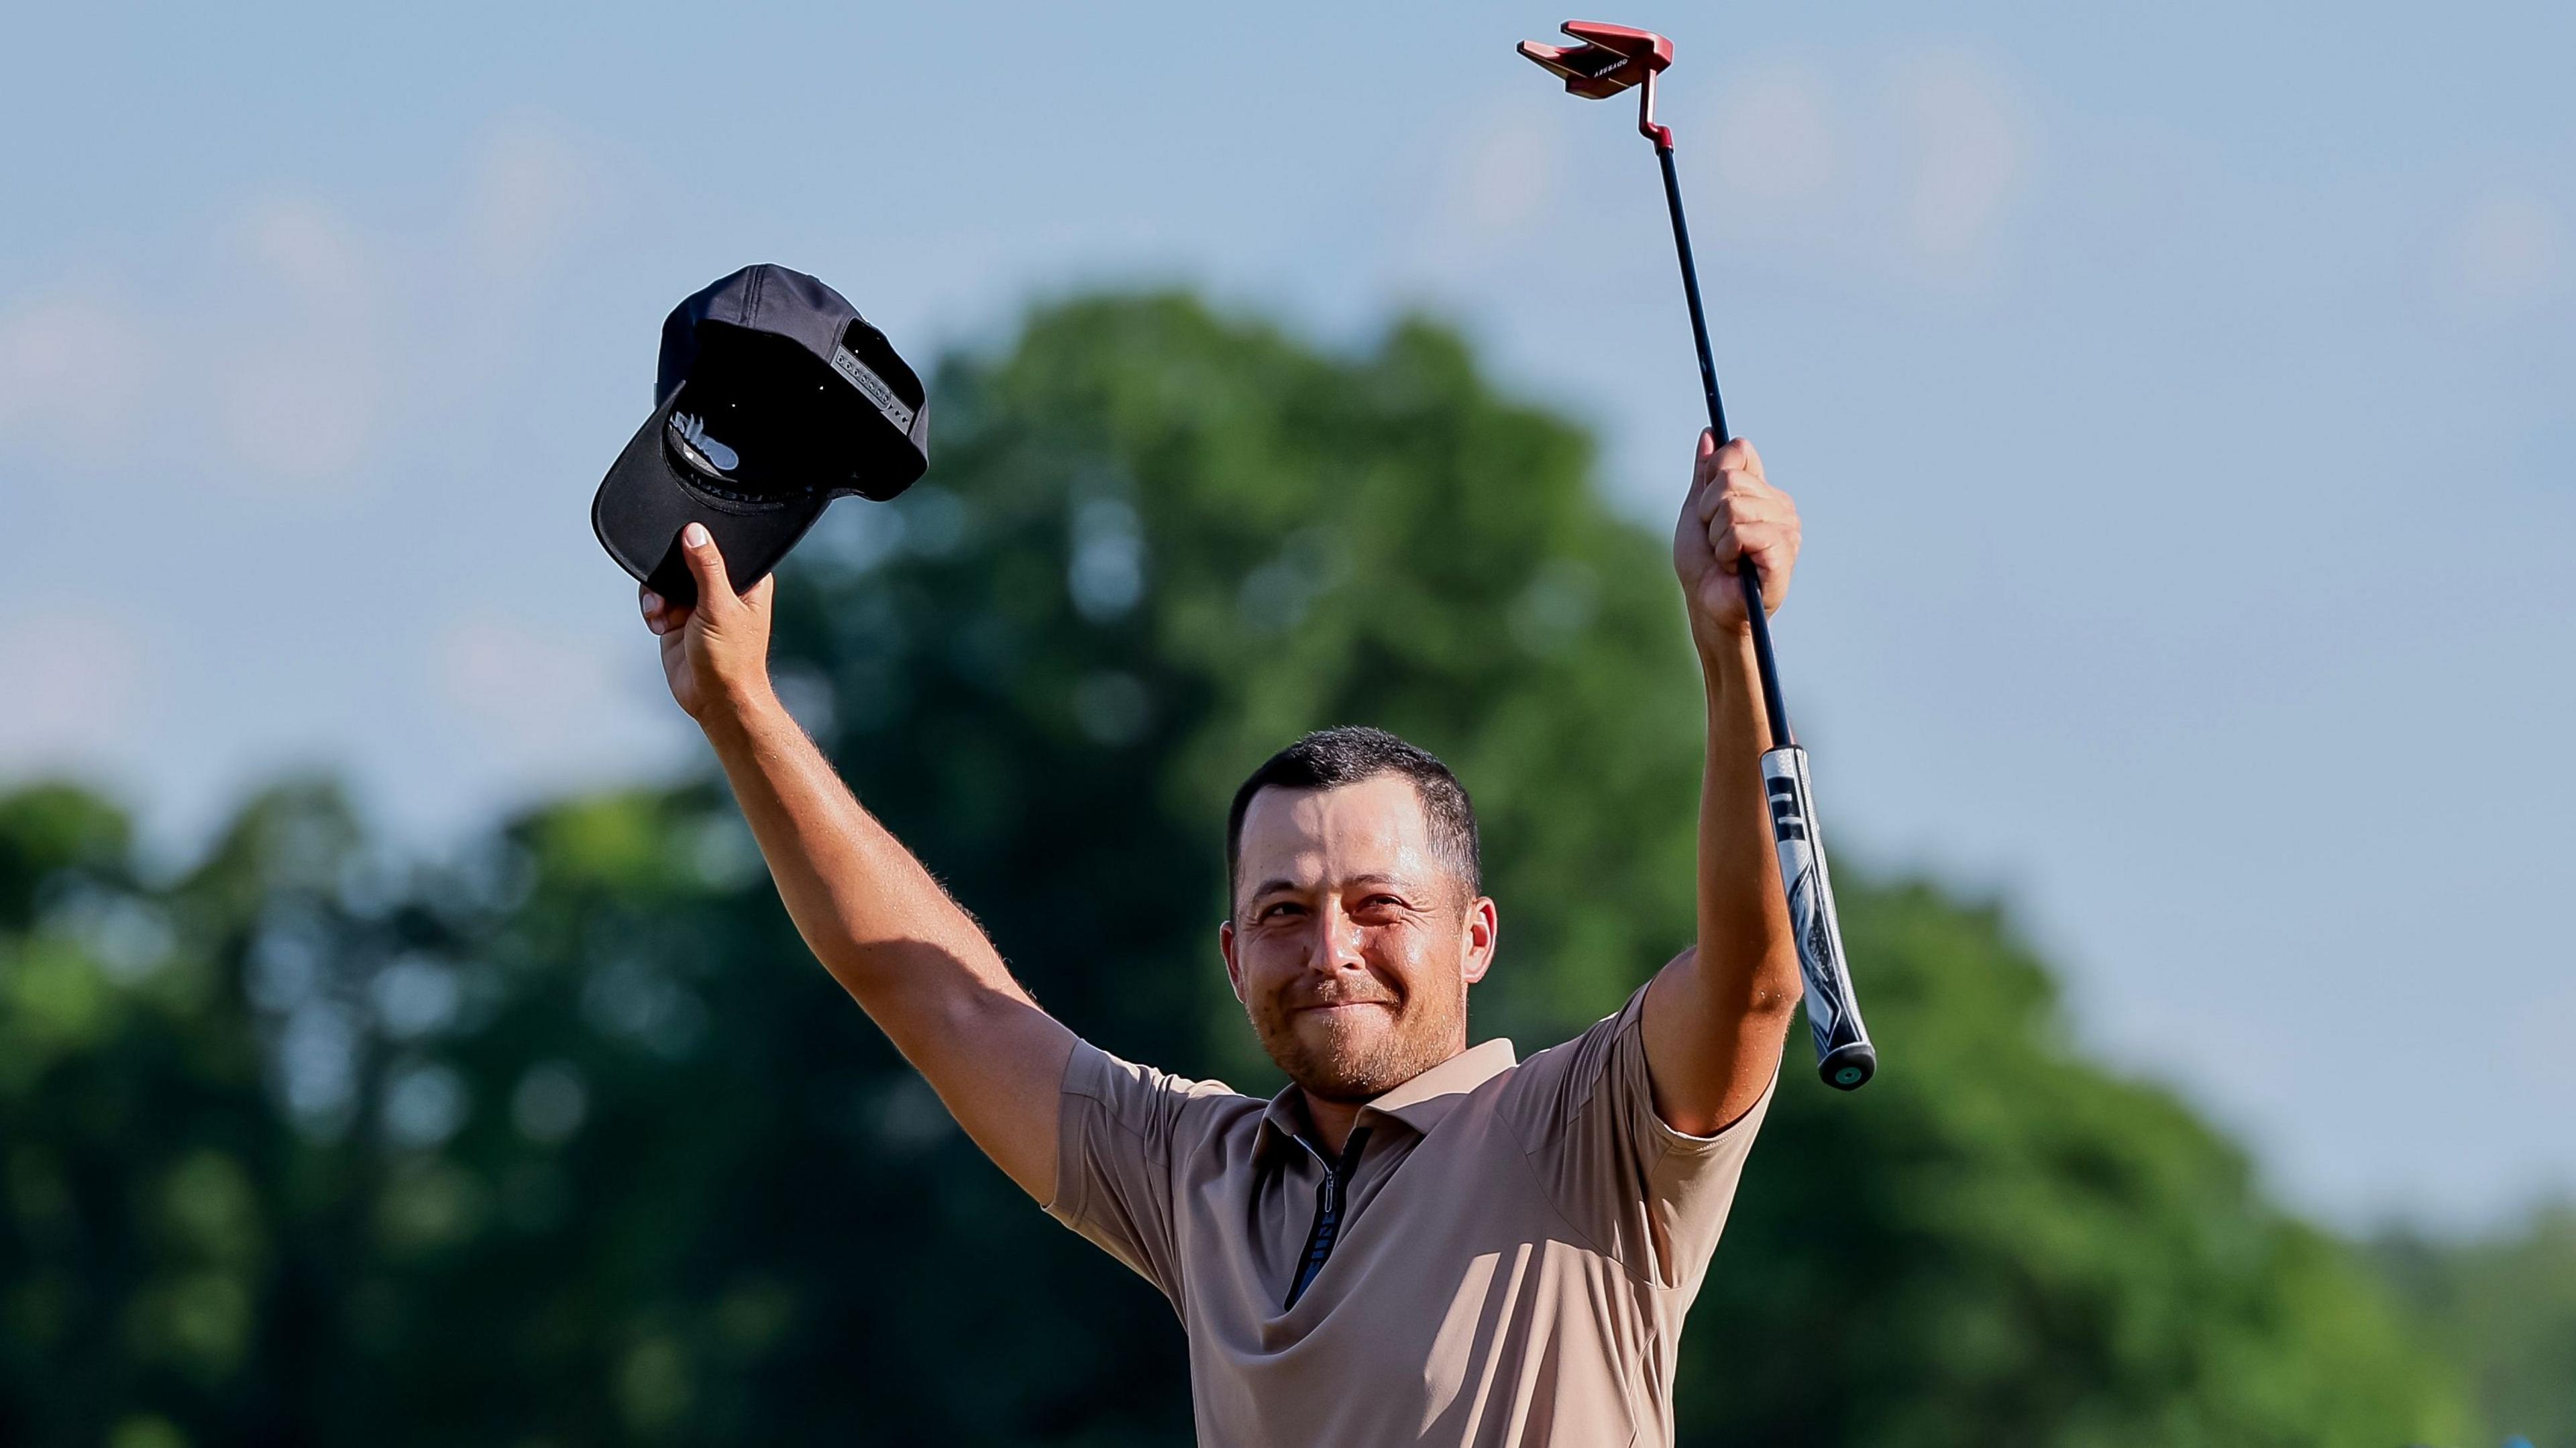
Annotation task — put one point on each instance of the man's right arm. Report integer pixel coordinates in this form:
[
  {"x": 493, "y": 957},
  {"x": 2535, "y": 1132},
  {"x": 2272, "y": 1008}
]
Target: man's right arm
[{"x": 915, "y": 962}]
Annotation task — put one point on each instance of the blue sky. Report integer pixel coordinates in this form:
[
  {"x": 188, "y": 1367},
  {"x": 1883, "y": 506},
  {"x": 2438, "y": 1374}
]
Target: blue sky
[{"x": 2181, "y": 402}]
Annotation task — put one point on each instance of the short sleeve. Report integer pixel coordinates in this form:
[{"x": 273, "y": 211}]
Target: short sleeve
[
  {"x": 1115, "y": 1148},
  {"x": 1653, "y": 1198}
]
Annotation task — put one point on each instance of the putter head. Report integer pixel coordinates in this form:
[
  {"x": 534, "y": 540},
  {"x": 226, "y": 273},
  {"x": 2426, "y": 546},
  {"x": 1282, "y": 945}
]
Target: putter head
[{"x": 1604, "y": 60}]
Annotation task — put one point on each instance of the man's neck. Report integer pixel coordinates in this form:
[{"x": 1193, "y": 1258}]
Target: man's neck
[{"x": 1330, "y": 1121}]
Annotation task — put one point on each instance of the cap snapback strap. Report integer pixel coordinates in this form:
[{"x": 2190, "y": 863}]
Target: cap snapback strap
[{"x": 872, "y": 387}]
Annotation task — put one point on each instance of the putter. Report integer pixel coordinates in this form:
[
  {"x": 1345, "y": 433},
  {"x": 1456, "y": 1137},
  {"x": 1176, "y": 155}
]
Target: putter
[{"x": 1603, "y": 61}]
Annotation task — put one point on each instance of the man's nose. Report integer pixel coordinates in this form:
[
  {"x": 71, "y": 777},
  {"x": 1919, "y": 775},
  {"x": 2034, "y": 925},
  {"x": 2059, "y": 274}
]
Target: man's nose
[{"x": 1336, "y": 945}]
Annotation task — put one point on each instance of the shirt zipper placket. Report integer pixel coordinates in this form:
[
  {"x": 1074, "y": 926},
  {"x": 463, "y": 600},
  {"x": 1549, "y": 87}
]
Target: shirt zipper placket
[{"x": 1329, "y": 1205}]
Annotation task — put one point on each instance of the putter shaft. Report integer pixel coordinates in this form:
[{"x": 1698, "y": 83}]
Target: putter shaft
[
  {"x": 1774, "y": 712},
  {"x": 1606, "y": 60}
]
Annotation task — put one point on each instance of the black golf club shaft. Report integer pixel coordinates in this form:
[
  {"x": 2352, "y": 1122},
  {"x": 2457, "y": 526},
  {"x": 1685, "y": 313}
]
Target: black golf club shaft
[
  {"x": 1844, "y": 1055},
  {"x": 1608, "y": 60},
  {"x": 1774, "y": 711}
]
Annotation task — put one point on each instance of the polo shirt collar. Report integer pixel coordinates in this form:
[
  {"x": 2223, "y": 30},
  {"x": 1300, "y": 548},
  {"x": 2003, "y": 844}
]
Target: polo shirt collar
[{"x": 1419, "y": 1103}]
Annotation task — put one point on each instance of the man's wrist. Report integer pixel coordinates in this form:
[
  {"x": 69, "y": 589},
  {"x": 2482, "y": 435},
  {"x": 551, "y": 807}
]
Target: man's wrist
[
  {"x": 1731, "y": 681},
  {"x": 734, "y": 714},
  {"x": 1725, "y": 655}
]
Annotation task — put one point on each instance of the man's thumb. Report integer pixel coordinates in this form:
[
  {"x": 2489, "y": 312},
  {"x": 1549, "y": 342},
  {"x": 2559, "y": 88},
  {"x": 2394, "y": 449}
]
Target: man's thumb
[{"x": 706, "y": 565}]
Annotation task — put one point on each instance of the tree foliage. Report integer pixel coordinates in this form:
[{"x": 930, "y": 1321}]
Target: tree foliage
[
  {"x": 2506, "y": 1307},
  {"x": 566, "y": 1141}
]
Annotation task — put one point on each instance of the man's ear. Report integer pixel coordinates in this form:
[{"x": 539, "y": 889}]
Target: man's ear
[
  {"x": 1483, "y": 928},
  {"x": 1225, "y": 947}
]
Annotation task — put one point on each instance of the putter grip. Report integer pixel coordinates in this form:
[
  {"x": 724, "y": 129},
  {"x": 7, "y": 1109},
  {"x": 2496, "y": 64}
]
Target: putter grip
[{"x": 1844, "y": 1056}]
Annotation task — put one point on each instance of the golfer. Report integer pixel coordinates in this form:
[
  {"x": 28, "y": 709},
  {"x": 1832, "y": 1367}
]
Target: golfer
[{"x": 1418, "y": 1240}]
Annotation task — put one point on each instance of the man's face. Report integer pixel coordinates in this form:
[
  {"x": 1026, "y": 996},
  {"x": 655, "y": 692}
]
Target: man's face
[{"x": 1352, "y": 943}]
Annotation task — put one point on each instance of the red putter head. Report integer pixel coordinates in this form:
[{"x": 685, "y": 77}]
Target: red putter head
[{"x": 1605, "y": 60}]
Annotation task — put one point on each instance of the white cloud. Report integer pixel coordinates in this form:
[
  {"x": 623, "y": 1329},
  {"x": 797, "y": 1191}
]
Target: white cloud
[
  {"x": 538, "y": 701},
  {"x": 1511, "y": 174},
  {"x": 75, "y": 369},
  {"x": 1774, "y": 140},
  {"x": 294, "y": 416},
  {"x": 2541, "y": 1032},
  {"x": 301, "y": 394},
  {"x": 509, "y": 675},
  {"x": 2508, "y": 249},
  {"x": 530, "y": 190},
  {"x": 312, "y": 250},
  {"x": 75, "y": 686},
  {"x": 309, "y": 333},
  {"x": 1971, "y": 145}
]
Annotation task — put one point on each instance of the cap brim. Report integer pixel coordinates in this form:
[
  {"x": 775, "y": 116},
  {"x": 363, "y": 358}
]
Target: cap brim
[{"x": 642, "y": 505}]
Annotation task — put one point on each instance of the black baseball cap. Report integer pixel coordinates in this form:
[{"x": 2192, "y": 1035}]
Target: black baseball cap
[{"x": 774, "y": 396}]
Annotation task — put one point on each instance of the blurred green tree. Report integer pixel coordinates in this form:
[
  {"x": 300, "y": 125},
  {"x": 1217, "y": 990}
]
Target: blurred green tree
[
  {"x": 568, "y": 1142},
  {"x": 2506, "y": 1306}
]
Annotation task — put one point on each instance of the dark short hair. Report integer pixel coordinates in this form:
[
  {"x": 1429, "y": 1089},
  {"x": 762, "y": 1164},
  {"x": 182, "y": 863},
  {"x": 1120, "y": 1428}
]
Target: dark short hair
[{"x": 1349, "y": 754}]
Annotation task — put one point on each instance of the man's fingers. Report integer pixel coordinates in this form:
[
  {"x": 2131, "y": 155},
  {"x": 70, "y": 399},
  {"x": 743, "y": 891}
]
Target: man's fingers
[
  {"x": 1725, "y": 542},
  {"x": 707, "y": 566},
  {"x": 1701, "y": 469},
  {"x": 1738, "y": 456},
  {"x": 1771, "y": 541},
  {"x": 659, "y": 615},
  {"x": 1742, "y": 518},
  {"x": 1742, "y": 508},
  {"x": 1743, "y": 496},
  {"x": 1713, "y": 463}
]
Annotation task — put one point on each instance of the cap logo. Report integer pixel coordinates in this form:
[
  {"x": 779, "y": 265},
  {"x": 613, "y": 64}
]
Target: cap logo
[
  {"x": 706, "y": 452},
  {"x": 873, "y": 388}
]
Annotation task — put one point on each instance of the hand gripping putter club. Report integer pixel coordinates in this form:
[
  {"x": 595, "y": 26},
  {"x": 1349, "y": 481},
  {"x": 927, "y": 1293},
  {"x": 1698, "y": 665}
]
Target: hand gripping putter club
[{"x": 1603, "y": 61}]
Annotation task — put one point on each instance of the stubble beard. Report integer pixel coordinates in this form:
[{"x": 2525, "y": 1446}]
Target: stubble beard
[{"x": 1423, "y": 1033}]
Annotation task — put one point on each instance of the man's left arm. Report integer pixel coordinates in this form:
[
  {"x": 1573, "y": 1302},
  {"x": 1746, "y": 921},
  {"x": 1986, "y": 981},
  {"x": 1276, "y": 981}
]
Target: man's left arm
[{"x": 1716, "y": 1016}]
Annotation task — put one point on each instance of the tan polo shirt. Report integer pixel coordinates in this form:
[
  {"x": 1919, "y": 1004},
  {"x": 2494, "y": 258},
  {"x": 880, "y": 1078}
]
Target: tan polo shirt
[{"x": 1517, "y": 1244}]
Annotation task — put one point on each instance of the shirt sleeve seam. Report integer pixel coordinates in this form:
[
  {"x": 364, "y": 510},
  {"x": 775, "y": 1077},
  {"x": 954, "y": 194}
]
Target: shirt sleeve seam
[
  {"x": 1548, "y": 1194},
  {"x": 1677, "y": 1142},
  {"x": 1151, "y": 1153},
  {"x": 1069, "y": 1208},
  {"x": 1063, "y": 1204},
  {"x": 1670, "y": 1142},
  {"x": 1538, "y": 1178},
  {"x": 1103, "y": 1111}
]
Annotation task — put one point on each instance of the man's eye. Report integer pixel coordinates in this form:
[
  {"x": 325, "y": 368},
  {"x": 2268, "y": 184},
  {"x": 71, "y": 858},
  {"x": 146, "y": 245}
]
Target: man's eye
[{"x": 1275, "y": 912}]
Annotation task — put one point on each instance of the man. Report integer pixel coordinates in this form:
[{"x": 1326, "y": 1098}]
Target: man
[{"x": 1415, "y": 1242}]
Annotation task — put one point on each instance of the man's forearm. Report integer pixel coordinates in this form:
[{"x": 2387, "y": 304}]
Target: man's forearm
[
  {"x": 914, "y": 961},
  {"x": 863, "y": 903},
  {"x": 1746, "y": 955},
  {"x": 1716, "y": 1016}
]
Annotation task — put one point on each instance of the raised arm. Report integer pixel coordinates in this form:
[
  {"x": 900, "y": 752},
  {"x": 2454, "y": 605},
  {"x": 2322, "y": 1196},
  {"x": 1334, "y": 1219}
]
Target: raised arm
[
  {"x": 1716, "y": 1016},
  {"x": 915, "y": 962}
]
